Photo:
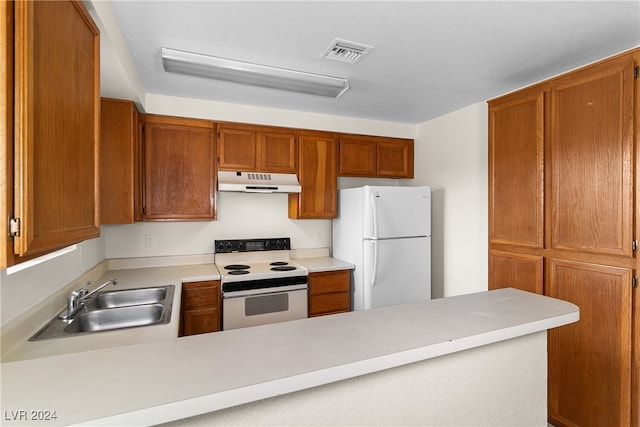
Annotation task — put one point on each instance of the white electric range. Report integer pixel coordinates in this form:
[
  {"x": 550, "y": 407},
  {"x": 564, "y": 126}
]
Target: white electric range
[{"x": 259, "y": 283}]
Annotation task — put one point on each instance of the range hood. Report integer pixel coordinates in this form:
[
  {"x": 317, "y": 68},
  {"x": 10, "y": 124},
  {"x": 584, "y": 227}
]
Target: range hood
[{"x": 258, "y": 182}]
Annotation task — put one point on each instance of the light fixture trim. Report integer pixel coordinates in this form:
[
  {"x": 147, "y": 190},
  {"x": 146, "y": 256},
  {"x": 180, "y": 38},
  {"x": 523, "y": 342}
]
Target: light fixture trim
[{"x": 200, "y": 65}]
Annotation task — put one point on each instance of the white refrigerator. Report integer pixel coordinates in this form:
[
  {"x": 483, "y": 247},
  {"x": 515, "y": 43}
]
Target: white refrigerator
[{"x": 385, "y": 232}]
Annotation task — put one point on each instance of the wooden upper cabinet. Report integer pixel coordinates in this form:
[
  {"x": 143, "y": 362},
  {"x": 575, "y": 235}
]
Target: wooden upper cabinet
[
  {"x": 590, "y": 159},
  {"x": 120, "y": 162},
  {"x": 6, "y": 129},
  {"x": 256, "y": 148},
  {"x": 237, "y": 149},
  {"x": 57, "y": 125},
  {"x": 179, "y": 161},
  {"x": 516, "y": 173},
  {"x": 373, "y": 156},
  {"x": 395, "y": 158},
  {"x": 358, "y": 156},
  {"x": 318, "y": 175},
  {"x": 278, "y": 152}
]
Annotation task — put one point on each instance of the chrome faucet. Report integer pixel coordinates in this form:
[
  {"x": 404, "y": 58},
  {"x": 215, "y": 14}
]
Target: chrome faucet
[{"x": 77, "y": 299}]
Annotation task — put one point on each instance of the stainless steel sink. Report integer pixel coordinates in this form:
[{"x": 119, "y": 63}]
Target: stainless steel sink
[
  {"x": 116, "y": 318},
  {"x": 127, "y": 297},
  {"x": 114, "y": 310}
]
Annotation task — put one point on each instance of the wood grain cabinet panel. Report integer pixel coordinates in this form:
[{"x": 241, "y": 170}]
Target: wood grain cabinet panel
[
  {"x": 120, "y": 162},
  {"x": 373, "y": 156},
  {"x": 318, "y": 175},
  {"x": 256, "y": 148},
  {"x": 395, "y": 158},
  {"x": 571, "y": 140},
  {"x": 329, "y": 292},
  {"x": 180, "y": 175},
  {"x": 200, "y": 310},
  {"x": 513, "y": 270},
  {"x": 591, "y": 152},
  {"x": 516, "y": 152},
  {"x": 237, "y": 149},
  {"x": 358, "y": 156},
  {"x": 278, "y": 152},
  {"x": 57, "y": 125},
  {"x": 590, "y": 361},
  {"x": 6, "y": 128}
]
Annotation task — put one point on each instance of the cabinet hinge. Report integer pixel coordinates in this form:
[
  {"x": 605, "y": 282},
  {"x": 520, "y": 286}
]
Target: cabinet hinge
[
  {"x": 636, "y": 72},
  {"x": 14, "y": 227},
  {"x": 634, "y": 281},
  {"x": 634, "y": 245}
]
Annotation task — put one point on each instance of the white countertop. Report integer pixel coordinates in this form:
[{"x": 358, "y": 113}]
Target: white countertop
[
  {"x": 169, "y": 379},
  {"x": 320, "y": 264},
  {"x": 127, "y": 279},
  {"x": 152, "y": 274}
]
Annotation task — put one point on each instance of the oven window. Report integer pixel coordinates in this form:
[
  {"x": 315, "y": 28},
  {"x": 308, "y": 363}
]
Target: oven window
[{"x": 266, "y": 304}]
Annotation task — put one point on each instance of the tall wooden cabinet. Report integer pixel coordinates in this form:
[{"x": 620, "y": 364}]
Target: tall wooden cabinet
[
  {"x": 562, "y": 167},
  {"x": 120, "y": 162},
  {"x": 318, "y": 175},
  {"x": 179, "y": 168},
  {"x": 56, "y": 125}
]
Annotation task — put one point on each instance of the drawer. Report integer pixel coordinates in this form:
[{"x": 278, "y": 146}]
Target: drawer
[
  {"x": 330, "y": 303},
  {"x": 329, "y": 282}
]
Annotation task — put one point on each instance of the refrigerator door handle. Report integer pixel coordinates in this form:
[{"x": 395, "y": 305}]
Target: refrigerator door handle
[
  {"x": 374, "y": 273},
  {"x": 374, "y": 214}
]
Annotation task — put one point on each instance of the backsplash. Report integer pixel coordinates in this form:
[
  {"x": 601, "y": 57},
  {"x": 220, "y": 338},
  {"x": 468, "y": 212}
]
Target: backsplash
[{"x": 240, "y": 216}]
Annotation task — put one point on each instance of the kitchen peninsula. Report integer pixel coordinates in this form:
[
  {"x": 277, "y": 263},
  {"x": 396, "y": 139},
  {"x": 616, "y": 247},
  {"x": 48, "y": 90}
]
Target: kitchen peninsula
[{"x": 296, "y": 366}]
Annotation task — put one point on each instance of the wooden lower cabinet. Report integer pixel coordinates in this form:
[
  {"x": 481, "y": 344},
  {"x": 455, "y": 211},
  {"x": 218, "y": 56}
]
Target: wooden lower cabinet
[
  {"x": 590, "y": 360},
  {"x": 520, "y": 271},
  {"x": 329, "y": 292},
  {"x": 200, "y": 310}
]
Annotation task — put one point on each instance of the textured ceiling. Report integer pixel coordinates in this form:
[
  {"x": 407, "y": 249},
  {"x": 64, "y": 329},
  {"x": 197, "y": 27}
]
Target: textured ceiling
[{"x": 429, "y": 57}]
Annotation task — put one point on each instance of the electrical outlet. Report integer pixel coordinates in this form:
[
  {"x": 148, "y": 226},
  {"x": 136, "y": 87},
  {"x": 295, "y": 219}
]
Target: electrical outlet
[
  {"x": 149, "y": 240},
  {"x": 319, "y": 235}
]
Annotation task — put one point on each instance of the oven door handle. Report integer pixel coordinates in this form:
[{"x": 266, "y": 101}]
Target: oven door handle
[{"x": 264, "y": 291}]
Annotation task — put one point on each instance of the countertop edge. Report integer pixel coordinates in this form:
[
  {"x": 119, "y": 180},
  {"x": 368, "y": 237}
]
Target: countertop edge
[{"x": 238, "y": 396}]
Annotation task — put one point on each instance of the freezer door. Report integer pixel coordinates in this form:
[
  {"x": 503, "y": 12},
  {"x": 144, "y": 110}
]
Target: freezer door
[
  {"x": 396, "y": 271},
  {"x": 391, "y": 212}
]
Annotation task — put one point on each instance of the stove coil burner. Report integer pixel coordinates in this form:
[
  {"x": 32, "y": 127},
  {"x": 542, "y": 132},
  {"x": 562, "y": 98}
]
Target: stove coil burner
[
  {"x": 279, "y": 263},
  {"x": 236, "y": 267},
  {"x": 283, "y": 268}
]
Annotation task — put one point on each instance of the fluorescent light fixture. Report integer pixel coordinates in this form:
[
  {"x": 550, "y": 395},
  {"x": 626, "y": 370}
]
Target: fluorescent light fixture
[{"x": 194, "y": 64}]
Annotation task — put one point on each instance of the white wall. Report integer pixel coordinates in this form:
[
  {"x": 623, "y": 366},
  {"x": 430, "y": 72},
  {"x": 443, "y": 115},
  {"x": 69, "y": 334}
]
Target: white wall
[
  {"x": 451, "y": 157},
  {"x": 24, "y": 289},
  {"x": 240, "y": 216}
]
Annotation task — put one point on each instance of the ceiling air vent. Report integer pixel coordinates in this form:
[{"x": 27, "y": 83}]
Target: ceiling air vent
[{"x": 346, "y": 51}]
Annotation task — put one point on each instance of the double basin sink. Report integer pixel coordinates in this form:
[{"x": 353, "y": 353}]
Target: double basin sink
[{"x": 112, "y": 310}]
